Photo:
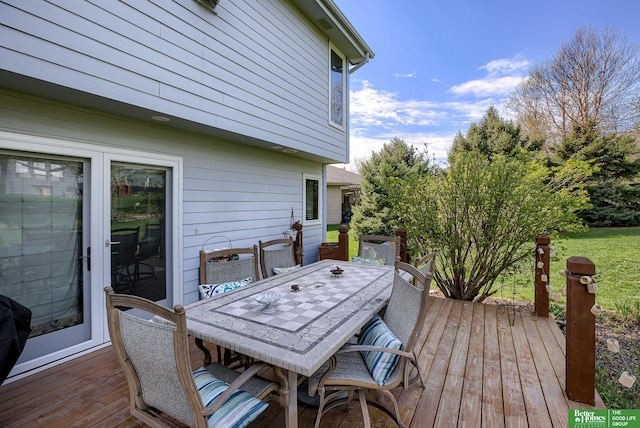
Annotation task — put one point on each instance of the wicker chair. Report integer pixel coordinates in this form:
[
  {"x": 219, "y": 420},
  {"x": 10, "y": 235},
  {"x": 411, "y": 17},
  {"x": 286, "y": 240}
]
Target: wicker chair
[
  {"x": 379, "y": 247},
  {"x": 162, "y": 387},
  {"x": 220, "y": 267},
  {"x": 282, "y": 255},
  {"x": 347, "y": 370},
  {"x": 231, "y": 264}
]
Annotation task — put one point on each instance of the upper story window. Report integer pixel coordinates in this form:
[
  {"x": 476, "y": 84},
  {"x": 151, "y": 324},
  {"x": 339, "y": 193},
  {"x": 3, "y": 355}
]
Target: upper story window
[
  {"x": 337, "y": 82},
  {"x": 312, "y": 197}
]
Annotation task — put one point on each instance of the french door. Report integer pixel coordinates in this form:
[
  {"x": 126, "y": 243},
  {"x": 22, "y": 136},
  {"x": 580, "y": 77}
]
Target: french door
[
  {"x": 138, "y": 230},
  {"x": 44, "y": 207},
  {"x": 74, "y": 218}
]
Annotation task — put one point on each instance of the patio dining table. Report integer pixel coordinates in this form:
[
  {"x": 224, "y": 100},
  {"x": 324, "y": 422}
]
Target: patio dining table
[{"x": 318, "y": 312}]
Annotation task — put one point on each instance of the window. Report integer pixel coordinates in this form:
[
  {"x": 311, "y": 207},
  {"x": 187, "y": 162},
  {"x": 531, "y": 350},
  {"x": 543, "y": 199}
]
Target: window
[
  {"x": 311, "y": 195},
  {"x": 337, "y": 89}
]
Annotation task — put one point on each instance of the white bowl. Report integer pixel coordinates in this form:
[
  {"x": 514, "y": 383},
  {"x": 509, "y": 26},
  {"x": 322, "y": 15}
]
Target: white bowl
[{"x": 268, "y": 299}]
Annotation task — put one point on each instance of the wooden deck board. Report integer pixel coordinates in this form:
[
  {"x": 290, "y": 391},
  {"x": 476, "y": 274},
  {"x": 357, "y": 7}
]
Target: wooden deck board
[
  {"x": 449, "y": 409},
  {"x": 470, "y": 414},
  {"x": 492, "y": 403},
  {"x": 479, "y": 370}
]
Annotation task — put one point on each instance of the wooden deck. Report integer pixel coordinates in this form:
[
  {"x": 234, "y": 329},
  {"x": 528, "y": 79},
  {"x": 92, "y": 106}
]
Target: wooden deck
[{"x": 483, "y": 366}]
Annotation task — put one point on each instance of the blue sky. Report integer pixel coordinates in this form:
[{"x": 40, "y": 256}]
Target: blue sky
[{"x": 439, "y": 64}]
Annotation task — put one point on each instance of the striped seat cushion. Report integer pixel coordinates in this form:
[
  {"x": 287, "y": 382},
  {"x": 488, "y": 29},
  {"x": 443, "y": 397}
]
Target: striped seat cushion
[
  {"x": 237, "y": 412},
  {"x": 380, "y": 364}
]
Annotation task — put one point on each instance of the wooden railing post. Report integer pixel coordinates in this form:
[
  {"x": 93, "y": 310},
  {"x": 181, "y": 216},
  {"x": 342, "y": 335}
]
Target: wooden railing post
[
  {"x": 343, "y": 243},
  {"x": 541, "y": 301},
  {"x": 581, "y": 332},
  {"x": 299, "y": 249},
  {"x": 402, "y": 233}
]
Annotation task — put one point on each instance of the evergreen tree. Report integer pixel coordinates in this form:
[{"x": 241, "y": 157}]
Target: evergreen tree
[
  {"x": 381, "y": 176},
  {"x": 614, "y": 188},
  {"x": 493, "y": 136}
]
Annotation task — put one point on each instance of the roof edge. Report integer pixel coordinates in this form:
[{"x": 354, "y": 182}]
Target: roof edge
[{"x": 330, "y": 20}]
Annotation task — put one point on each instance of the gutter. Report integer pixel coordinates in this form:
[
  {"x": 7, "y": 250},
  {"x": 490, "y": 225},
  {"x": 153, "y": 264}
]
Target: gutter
[{"x": 360, "y": 64}]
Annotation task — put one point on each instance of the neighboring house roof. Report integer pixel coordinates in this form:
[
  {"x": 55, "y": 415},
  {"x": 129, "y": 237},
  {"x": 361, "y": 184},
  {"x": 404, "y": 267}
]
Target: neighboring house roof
[{"x": 341, "y": 177}]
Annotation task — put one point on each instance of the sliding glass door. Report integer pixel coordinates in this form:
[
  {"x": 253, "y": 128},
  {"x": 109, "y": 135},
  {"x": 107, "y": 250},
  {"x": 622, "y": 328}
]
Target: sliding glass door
[
  {"x": 75, "y": 218},
  {"x": 43, "y": 247}
]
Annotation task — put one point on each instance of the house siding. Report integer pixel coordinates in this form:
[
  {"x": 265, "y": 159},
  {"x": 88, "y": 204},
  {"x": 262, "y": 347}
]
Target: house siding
[
  {"x": 257, "y": 69},
  {"x": 243, "y": 193}
]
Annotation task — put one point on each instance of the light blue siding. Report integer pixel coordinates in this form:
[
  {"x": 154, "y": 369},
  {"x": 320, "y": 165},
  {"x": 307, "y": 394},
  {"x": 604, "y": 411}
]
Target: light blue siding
[
  {"x": 257, "y": 68},
  {"x": 243, "y": 193}
]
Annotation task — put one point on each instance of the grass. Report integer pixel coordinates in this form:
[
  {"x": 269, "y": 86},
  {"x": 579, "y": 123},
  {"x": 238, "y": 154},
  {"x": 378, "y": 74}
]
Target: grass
[{"x": 616, "y": 255}]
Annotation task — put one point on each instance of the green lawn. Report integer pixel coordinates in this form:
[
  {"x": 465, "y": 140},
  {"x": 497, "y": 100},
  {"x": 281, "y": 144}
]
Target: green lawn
[
  {"x": 614, "y": 251},
  {"x": 616, "y": 255}
]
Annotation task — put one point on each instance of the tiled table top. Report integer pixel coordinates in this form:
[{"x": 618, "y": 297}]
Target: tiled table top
[{"x": 308, "y": 326}]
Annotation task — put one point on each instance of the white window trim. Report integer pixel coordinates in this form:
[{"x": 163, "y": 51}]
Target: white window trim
[
  {"x": 317, "y": 221},
  {"x": 344, "y": 88}
]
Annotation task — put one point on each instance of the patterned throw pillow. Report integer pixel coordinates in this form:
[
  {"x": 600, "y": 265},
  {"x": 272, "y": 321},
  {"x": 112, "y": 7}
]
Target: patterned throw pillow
[
  {"x": 358, "y": 259},
  {"x": 285, "y": 269},
  {"x": 210, "y": 290},
  {"x": 237, "y": 412},
  {"x": 380, "y": 364}
]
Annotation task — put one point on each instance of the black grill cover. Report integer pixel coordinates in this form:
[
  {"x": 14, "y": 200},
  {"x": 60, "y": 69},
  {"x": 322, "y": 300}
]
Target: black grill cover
[{"x": 15, "y": 326}]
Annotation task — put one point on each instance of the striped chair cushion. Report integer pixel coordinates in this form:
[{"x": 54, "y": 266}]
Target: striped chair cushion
[
  {"x": 380, "y": 364},
  {"x": 237, "y": 412}
]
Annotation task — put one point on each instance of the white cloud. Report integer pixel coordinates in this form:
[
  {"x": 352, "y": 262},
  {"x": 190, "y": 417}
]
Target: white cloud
[
  {"x": 373, "y": 107},
  {"x": 488, "y": 87},
  {"x": 378, "y": 115},
  {"x": 503, "y": 75},
  {"x": 405, "y": 75},
  {"x": 501, "y": 66}
]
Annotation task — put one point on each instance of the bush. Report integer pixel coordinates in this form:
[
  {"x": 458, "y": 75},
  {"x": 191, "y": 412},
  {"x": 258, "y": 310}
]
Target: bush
[{"x": 483, "y": 215}]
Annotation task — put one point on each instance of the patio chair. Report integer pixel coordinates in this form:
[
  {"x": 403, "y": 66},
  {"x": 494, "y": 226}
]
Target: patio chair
[
  {"x": 277, "y": 254},
  {"x": 384, "y": 357},
  {"x": 375, "y": 248},
  {"x": 162, "y": 387},
  {"x": 124, "y": 246},
  {"x": 225, "y": 270},
  {"x": 427, "y": 265},
  {"x": 148, "y": 249},
  {"x": 219, "y": 267}
]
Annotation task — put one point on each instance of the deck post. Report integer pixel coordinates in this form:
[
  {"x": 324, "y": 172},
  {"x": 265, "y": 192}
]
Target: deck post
[
  {"x": 402, "y": 233},
  {"x": 542, "y": 278},
  {"x": 297, "y": 245},
  {"x": 343, "y": 243},
  {"x": 581, "y": 332}
]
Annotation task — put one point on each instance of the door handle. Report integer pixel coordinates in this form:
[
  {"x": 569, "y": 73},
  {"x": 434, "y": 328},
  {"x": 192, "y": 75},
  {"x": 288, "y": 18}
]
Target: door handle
[{"x": 88, "y": 257}]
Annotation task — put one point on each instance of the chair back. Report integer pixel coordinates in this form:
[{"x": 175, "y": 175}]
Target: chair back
[
  {"x": 231, "y": 264},
  {"x": 154, "y": 358},
  {"x": 124, "y": 246},
  {"x": 277, "y": 253},
  {"x": 407, "y": 305},
  {"x": 427, "y": 265},
  {"x": 379, "y": 247},
  {"x": 151, "y": 241}
]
